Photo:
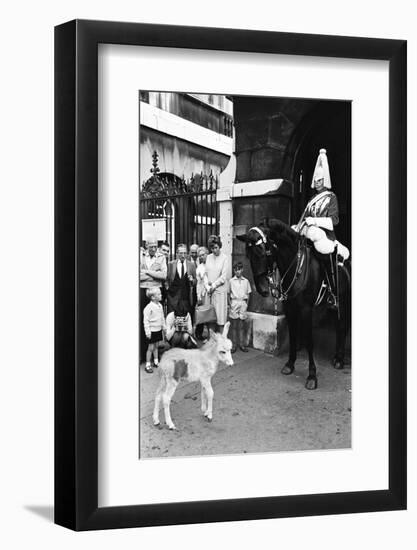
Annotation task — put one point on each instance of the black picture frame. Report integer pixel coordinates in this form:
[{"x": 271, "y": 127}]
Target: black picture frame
[{"x": 76, "y": 271}]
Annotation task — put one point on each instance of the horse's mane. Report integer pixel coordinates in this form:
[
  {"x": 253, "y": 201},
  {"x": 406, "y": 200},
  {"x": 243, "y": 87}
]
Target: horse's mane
[{"x": 279, "y": 231}]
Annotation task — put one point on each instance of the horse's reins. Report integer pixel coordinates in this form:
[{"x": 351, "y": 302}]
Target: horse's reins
[
  {"x": 275, "y": 285},
  {"x": 299, "y": 258}
]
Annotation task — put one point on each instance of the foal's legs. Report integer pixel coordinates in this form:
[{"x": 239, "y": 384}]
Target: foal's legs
[
  {"x": 206, "y": 386},
  {"x": 292, "y": 316},
  {"x": 158, "y": 397},
  {"x": 171, "y": 386},
  {"x": 203, "y": 400}
]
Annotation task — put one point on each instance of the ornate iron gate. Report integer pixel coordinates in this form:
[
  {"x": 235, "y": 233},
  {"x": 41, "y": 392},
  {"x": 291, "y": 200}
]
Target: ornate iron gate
[{"x": 178, "y": 210}]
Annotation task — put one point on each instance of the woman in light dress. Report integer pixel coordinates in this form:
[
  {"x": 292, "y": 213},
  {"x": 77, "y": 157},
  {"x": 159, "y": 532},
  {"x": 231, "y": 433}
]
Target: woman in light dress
[
  {"x": 201, "y": 286},
  {"x": 216, "y": 265},
  {"x": 201, "y": 274}
]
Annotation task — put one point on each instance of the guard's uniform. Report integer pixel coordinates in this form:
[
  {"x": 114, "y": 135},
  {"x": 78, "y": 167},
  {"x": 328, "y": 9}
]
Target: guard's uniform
[
  {"x": 323, "y": 212},
  {"x": 324, "y": 205}
]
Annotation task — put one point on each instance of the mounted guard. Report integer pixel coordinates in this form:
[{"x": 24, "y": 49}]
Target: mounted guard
[{"x": 317, "y": 223}]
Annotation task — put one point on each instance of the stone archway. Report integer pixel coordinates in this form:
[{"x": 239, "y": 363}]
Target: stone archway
[
  {"x": 279, "y": 138},
  {"x": 277, "y": 144},
  {"x": 327, "y": 126}
]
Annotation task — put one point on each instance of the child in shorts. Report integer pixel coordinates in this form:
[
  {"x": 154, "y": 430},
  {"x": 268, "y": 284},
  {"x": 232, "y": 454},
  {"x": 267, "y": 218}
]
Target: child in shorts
[
  {"x": 239, "y": 291},
  {"x": 154, "y": 325}
]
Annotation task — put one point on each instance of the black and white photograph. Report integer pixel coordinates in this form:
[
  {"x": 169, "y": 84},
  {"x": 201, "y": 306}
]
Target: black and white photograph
[
  {"x": 244, "y": 274},
  {"x": 208, "y": 281}
]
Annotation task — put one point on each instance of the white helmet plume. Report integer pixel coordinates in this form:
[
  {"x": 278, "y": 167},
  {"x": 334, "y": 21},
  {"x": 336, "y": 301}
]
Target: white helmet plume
[{"x": 321, "y": 170}]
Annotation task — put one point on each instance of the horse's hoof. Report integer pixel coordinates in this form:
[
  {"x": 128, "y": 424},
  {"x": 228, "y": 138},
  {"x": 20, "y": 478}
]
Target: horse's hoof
[
  {"x": 311, "y": 383},
  {"x": 287, "y": 369},
  {"x": 209, "y": 419},
  {"x": 172, "y": 427},
  {"x": 338, "y": 363},
  {"x": 156, "y": 423}
]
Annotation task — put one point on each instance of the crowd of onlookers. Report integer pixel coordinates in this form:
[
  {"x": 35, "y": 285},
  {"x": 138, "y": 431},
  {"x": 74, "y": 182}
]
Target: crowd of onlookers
[{"x": 182, "y": 299}]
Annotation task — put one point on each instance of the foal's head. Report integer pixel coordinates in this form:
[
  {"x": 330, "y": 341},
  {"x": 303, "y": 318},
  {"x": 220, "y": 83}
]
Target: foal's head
[{"x": 221, "y": 346}]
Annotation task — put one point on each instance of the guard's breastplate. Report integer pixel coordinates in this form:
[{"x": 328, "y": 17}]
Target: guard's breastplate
[{"x": 318, "y": 205}]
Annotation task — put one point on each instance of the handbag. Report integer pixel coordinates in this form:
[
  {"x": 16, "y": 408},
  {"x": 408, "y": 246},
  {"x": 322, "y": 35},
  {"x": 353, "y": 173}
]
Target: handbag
[{"x": 206, "y": 313}]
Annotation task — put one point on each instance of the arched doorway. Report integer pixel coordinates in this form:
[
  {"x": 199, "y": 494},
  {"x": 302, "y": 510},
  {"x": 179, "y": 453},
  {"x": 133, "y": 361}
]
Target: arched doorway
[{"x": 327, "y": 126}]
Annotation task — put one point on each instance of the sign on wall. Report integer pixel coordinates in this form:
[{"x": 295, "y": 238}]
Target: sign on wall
[{"x": 154, "y": 229}]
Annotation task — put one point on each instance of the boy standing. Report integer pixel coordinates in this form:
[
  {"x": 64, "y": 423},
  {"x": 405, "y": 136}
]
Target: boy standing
[
  {"x": 154, "y": 326},
  {"x": 239, "y": 290}
]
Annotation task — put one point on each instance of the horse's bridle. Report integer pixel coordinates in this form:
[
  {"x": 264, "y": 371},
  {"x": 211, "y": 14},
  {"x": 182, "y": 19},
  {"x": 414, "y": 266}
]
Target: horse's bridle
[
  {"x": 267, "y": 244},
  {"x": 275, "y": 284},
  {"x": 262, "y": 237},
  {"x": 271, "y": 275}
]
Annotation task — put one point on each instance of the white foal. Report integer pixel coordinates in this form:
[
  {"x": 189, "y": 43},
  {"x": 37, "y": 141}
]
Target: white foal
[{"x": 192, "y": 365}]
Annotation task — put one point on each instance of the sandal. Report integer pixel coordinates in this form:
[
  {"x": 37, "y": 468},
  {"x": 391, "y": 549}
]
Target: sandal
[{"x": 149, "y": 369}]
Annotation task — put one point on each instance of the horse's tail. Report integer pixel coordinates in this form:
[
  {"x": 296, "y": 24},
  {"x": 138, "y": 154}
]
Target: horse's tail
[
  {"x": 345, "y": 269},
  {"x": 345, "y": 299}
]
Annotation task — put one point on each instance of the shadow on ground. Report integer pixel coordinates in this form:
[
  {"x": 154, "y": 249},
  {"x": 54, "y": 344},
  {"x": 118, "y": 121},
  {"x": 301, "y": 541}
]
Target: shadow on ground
[{"x": 45, "y": 512}]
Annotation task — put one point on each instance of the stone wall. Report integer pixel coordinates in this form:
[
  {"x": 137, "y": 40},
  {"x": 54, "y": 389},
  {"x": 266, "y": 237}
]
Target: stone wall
[
  {"x": 176, "y": 156},
  {"x": 264, "y": 128}
]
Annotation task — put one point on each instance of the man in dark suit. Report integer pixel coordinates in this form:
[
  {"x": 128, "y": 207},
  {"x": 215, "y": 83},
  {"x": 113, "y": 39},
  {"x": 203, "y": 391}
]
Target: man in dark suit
[{"x": 181, "y": 280}]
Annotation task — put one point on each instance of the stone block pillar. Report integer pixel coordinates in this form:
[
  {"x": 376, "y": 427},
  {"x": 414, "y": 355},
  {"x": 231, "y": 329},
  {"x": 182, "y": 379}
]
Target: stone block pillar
[{"x": 224, "y": 199}]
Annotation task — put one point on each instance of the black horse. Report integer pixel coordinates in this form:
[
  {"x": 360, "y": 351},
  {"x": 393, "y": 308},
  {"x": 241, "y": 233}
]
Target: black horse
[{"x": 274, "y": 245}]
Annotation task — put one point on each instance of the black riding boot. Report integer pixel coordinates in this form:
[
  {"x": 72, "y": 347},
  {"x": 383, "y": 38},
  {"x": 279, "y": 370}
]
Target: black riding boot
[
  {"x": 332, "y": 279},
  {"x": 330, "y": 267}
]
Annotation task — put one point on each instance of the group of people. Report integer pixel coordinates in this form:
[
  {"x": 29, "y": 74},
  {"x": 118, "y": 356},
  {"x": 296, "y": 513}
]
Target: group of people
[
  {"x": 173, "y": 294},
  {"x": 179, "y": 298}
]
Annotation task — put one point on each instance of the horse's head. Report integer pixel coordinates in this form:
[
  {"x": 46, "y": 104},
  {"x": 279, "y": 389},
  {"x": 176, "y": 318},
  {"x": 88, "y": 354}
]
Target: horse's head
[
  {"x": 263, "y": 243},
  {"x": 256, "y": 240}
]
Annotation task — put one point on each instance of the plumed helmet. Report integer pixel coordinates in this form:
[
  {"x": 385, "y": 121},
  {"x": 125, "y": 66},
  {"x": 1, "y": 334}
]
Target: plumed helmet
[{"x": 321, "y": 170}]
